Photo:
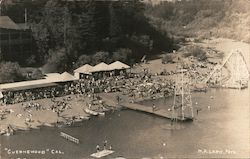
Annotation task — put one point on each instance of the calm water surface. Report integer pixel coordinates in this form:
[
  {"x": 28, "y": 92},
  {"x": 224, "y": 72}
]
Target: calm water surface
[{"x": 224, "y": 128}]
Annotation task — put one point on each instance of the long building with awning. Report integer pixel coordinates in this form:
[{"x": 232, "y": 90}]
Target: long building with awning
[{"x": 49, "y": 81}]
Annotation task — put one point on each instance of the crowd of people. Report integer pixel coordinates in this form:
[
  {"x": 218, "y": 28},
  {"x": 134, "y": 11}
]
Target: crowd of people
[
  {"x": 140, "y": 85},
  {"x": 13, "y": 97},
  {"x": 135, "y": 85},
  {"x": 59, "y": 106}
]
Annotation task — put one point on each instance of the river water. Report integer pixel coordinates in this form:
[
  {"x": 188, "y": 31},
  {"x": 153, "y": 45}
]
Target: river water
[{"x": 221, "y": 131}]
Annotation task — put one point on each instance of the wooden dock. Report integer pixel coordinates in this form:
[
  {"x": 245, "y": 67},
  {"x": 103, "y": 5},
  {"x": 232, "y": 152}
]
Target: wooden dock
[
  {"x": 70, "y": 138},
  {"x": 158, "y": 112},
  {"x": 102, "y": 153}
]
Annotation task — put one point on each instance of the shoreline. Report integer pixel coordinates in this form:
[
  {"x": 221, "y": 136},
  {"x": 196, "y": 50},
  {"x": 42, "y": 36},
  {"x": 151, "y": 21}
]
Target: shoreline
[
  {"x": 16, "y": 119},
  {"x": 16, "y": 116},
  {"x": 61, "y": 122},
  {"x": 18, "y": 124}
]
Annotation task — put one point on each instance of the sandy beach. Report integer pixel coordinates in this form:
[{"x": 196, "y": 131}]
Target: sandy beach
[{"x": 21, "y": 119}]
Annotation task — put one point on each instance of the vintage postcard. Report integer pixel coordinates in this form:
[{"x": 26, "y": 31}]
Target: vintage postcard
[{"x": 124, "y": 79}]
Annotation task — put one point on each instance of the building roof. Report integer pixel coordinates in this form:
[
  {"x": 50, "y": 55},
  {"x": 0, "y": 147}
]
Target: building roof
[
  {"x": 100, "y": 67},
  {"x": 64, "y": 77},
  {"x": 51, "y": 80},
  {"x": 23, "y": 26},
  {"x": 7, "y": 23},
  {"x": 86, "y": 69},
  {"x": 26, "y": 85},
  {"x": 56, "y": 77},
  {"x": 117, "y": 65},
  {"x": 52, "y": 75}
]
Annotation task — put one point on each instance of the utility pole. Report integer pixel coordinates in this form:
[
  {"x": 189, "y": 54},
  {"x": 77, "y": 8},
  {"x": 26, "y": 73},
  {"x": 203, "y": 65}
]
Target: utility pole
[
  {"x": 25, "y": 17},
  {"x": 1, "y": 1}
]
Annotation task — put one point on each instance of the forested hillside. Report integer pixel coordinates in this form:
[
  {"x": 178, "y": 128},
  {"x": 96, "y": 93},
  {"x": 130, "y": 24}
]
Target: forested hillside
[
  {"x": 71, "y": 33},
  {"x": 203, "y": 18}
]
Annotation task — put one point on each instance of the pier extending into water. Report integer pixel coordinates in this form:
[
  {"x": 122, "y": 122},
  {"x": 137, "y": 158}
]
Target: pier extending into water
[{"x": 157, "y": 112}]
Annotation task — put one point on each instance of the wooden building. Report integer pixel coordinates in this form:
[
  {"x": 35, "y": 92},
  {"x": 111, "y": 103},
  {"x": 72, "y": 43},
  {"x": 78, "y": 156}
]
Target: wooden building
[{"x": 16, "y": 42}]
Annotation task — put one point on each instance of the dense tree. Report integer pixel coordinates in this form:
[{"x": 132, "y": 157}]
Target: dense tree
[
  {"x": 57, "y": 61},
  {"x": 199, "y": 53},
  {"x": 66, "y": 30},
  {"x": 202, "y": 18},
  {"x": 167, "y": 59},
  {"x": 10, "y": 72},
  {"x": 37, "y": 74},
  {"x": 82, "y": 60},
  {"x": 101, "y": 56},
  {"x": 114, "y": 28},
  {"x": 122, "y": 55}
]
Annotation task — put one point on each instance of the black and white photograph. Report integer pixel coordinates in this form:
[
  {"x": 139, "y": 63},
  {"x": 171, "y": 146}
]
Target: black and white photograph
[{"x": 124, "y": 79}]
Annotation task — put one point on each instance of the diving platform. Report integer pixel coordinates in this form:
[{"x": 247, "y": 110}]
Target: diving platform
[{"x": 102, "y": 153}]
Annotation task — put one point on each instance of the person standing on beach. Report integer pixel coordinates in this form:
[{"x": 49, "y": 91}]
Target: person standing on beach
[
  {"x": 118, "y": 99},
  {"x": 58, "y": 113},
  {"x": 153, "y": 107}
]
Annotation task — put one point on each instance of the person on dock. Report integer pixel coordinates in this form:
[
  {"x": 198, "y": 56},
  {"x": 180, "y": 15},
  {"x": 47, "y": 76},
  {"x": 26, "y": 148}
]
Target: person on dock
[
  {"x": 105, "y": 144},
  {"x": 110, "y": 147},
  {"x": 97, "y": 148},
  {"x": 197, "y": 111}
]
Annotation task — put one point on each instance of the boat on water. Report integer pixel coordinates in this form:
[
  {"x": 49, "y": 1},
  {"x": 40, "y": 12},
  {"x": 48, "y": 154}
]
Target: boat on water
[
  {"x": 91, "y": 112},
  {"x": 7, "y": 132},
  {"x": 101, "y": 113},
  {"x": 95, "y": 113}
]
